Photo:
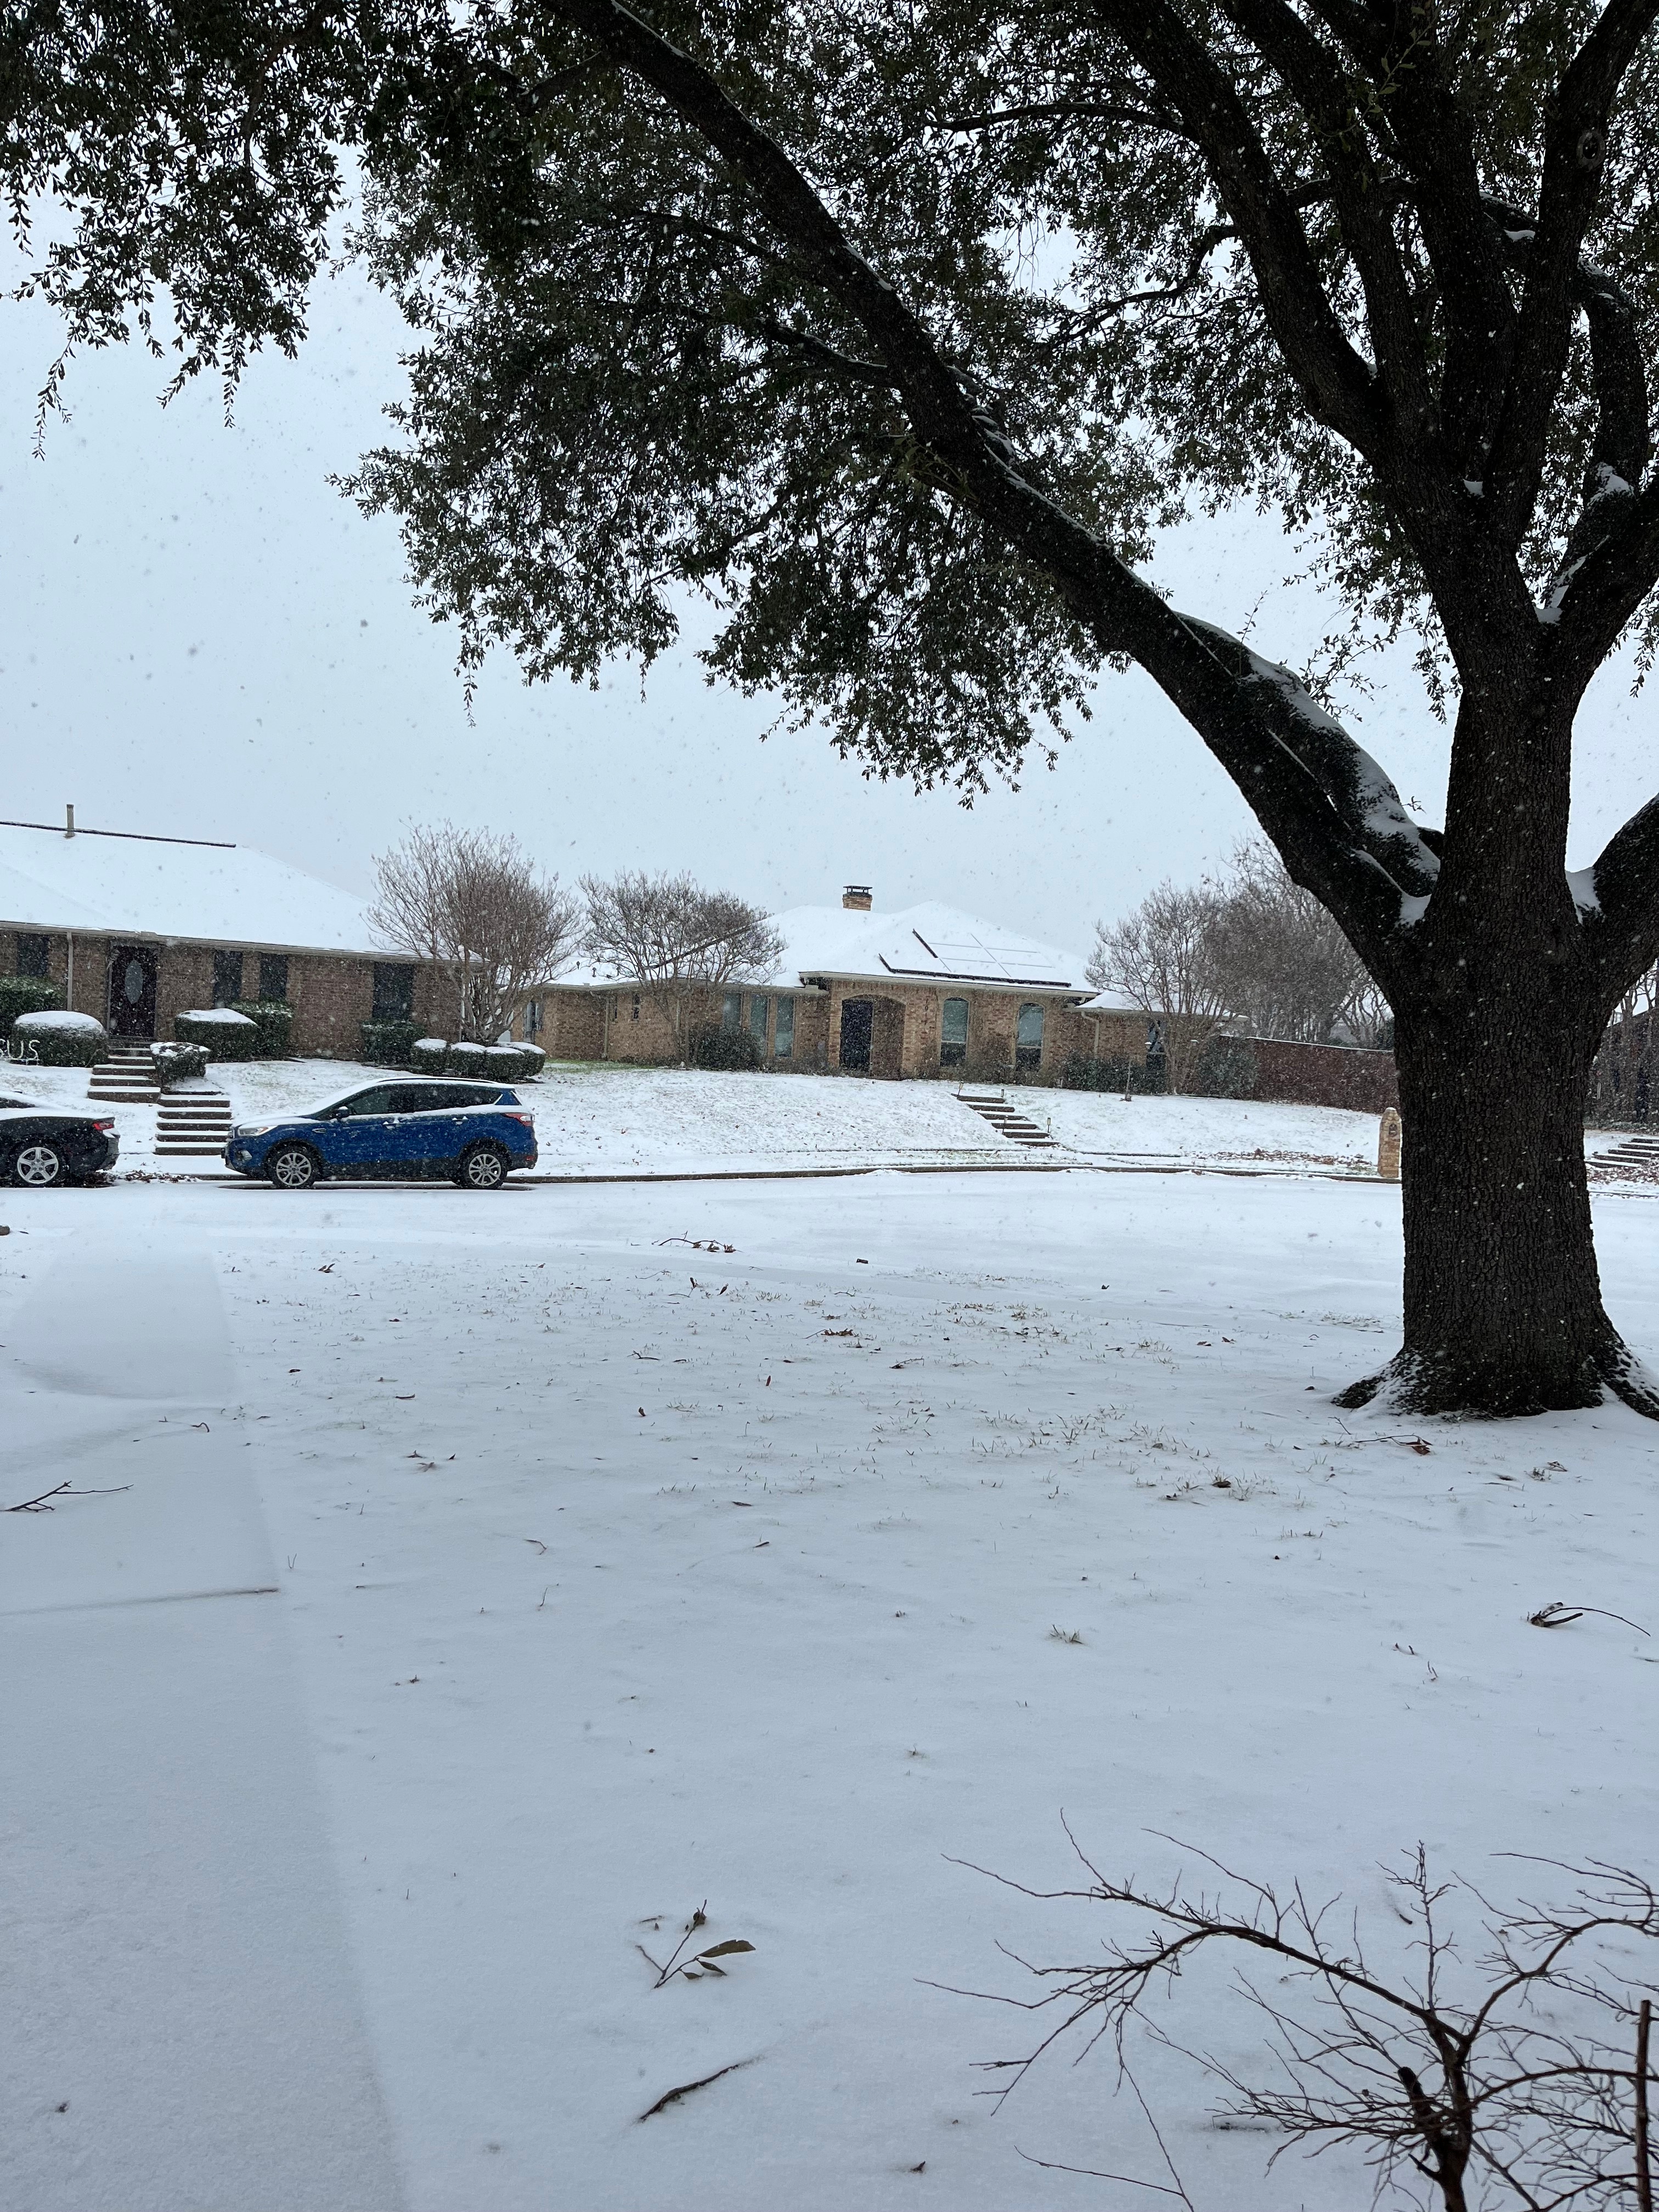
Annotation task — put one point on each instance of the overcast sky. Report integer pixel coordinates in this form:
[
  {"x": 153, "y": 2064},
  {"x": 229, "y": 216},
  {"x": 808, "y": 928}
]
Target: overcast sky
[{"x": 199, "y": 636}]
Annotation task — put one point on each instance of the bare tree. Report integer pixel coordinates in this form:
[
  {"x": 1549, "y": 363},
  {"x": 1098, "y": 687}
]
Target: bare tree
[
  {"x": 1163, "y": 955},
  {"x": 473, "y": 903},
  {"x": 673, "y": 940},
  {"x": 1282, "y": 960},
  {"x": 1520, "y": 2077}
]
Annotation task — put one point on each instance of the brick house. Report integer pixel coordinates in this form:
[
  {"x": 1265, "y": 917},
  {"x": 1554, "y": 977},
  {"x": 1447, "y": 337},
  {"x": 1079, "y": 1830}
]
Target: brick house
[
  {"x": 928, "y": 991},
  {"x": 136, "y": 929}
]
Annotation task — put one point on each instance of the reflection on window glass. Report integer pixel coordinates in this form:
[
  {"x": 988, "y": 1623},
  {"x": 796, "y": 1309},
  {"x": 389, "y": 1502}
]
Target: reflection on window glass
[
  {"x": 783, "y": 1038},
  {"x": 953, "y": 1033},
  {"x": 758, "y": 1011},
  {"x": 1027, "y": 1038},
  {"x": 532, "y": 1018},
  {"x": 732, "y": 1011}
]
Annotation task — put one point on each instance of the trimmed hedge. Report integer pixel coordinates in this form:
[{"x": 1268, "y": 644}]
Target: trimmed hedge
[
  {"x": 389, "y": 1044},
  {"x": 428, "y": 1055},
  {"x": 723, "y": 1047},
  {"x": 26, "y": 994},
  {"x": 464, "y": 1059},
  {"x": 178, "y": 1063},
  {"x": 273, "y": 1018},
  {"x": 84, "y": 1046},
  {"x": 237, "y": 1039}
]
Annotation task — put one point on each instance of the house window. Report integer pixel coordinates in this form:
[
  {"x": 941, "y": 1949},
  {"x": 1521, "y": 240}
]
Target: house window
[
  {"x": 394, "y": 992},
  {"x": 32, "y": 955},
  {"x": 732, "y": 1011},
  {"x": 273, "y": 976},
  {"x": 227, "y": 978},
  {"x": 953, "y": 1033},
  {"x": 1027, "y": 1038},
  {"x": 783, "y": 1036},
  {"x": 633, "y": 1011},
  {"x": 532, "y": 1018},
  {"x": 758, "y": 1011}
]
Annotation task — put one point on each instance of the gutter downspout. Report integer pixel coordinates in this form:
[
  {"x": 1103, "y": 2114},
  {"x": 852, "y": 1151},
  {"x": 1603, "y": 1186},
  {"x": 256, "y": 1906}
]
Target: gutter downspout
[{"x": 68, "y": 987}]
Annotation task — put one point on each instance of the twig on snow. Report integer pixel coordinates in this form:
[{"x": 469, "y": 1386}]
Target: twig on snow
[
  {"x": 1557, "y": 1614},
  {"x": 673, "y": 2096},
  {"x": 64, "y": 1490}
]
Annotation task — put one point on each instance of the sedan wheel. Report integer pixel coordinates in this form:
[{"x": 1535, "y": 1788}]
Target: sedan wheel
[
  {"x": 292, "y": 1166},
  {"x": 37, "y": 1165},
  {"x": 485, "y": 1169}
]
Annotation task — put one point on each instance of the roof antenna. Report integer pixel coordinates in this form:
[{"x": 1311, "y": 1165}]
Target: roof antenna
[{"x": 69, "y": 820}]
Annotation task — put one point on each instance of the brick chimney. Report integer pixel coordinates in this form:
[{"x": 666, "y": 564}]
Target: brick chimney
[{"x": 857, "y": 896}]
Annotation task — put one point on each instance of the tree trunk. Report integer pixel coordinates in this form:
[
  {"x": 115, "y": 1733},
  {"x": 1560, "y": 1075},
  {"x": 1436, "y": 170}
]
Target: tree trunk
[{"x": 1503, "y": 1300}]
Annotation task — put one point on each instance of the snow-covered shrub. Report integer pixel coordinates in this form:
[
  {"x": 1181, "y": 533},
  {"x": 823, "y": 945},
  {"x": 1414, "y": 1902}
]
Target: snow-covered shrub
[
  {"x": 59, "y": 1040},
  {"x": 464, "y": 1059},
  {"x": 226, "y": 1034},
  {"x": 389, "y": 1044},
  {"x": 427, "y": 1055},
  {"x": 721, "y": 1048},
  {"x": 178, "y": 1063},
  {"x": 26, "y": 994},
  {"x": 274, "y": 1019},
  {"x": 513, "y": 1063}
]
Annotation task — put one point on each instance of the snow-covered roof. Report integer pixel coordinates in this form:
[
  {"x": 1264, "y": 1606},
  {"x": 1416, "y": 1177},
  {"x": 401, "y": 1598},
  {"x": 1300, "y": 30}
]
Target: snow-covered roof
[
  {"x": 926, "y": 944},
  {"x": 126, "y": 885}
]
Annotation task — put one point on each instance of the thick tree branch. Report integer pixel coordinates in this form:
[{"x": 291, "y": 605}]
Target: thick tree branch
[
  {"x": 1574, "y": 155},
  {"x": 1323, "y": 90},
  {"x": 1336, "y": 382},
  {"x": 1622, "y": 933}
]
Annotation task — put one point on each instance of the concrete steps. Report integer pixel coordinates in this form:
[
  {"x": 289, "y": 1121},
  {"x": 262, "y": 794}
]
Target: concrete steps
[
  {"x": 1007, "y": 1120},
  {"x": 192, "y": 1124},
  {"x": 127, "y": 1075},
  {"x": 1633, "y": 1152}
]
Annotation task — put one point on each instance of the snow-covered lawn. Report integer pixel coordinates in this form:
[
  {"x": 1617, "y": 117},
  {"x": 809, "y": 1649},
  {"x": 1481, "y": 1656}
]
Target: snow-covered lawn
[
  {"x": 604, "y": 1576},
  {"x": 617, "y": 1120}
]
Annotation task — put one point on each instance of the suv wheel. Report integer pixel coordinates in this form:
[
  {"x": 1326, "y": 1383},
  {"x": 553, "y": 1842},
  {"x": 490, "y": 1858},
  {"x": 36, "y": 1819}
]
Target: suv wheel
[
  {"x": 37, "y": 1165},
  {"x": 484, "y": 1167},
  {"x": 292, "y": 1166}
]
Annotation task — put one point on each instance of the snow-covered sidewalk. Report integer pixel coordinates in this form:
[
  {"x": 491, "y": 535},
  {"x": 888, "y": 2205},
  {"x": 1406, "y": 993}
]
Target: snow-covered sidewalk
[{"x": 618, "y": 1573}]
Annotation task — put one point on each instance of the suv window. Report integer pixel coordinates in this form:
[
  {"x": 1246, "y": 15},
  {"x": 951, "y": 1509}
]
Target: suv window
[
  {"x": 417, "y": 1098},
  {"x": 378, "y": 1100}
]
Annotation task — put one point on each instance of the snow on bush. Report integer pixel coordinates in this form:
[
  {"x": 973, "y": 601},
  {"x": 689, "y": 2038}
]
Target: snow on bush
[
  {"x": 225, "y": 1014},
  {"x": 57, "y": 1039},
  {"x": 37, "y": 1024}
]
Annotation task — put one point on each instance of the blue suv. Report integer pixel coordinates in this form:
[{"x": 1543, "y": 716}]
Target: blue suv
[{"x": 473, "y": 1133}]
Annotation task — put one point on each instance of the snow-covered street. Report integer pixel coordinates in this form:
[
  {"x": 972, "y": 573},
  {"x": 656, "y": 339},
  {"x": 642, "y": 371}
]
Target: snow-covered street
[{"x": 501, "y": 1578}]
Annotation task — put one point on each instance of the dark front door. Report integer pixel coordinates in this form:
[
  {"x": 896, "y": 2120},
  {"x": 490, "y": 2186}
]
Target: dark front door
[
  {"x": 858, "y": 1021},
  {"x": 132, "y": 970}
]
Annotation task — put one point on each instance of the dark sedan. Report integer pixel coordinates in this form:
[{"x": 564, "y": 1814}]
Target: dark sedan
[{"x": 38, "y": 1147}]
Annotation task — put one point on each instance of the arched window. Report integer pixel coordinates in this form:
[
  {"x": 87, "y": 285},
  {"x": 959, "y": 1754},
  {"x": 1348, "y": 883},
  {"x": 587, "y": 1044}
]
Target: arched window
[
  {"x": 1027, "y": 1038},
  {"x": 953, "y": 1033}
]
